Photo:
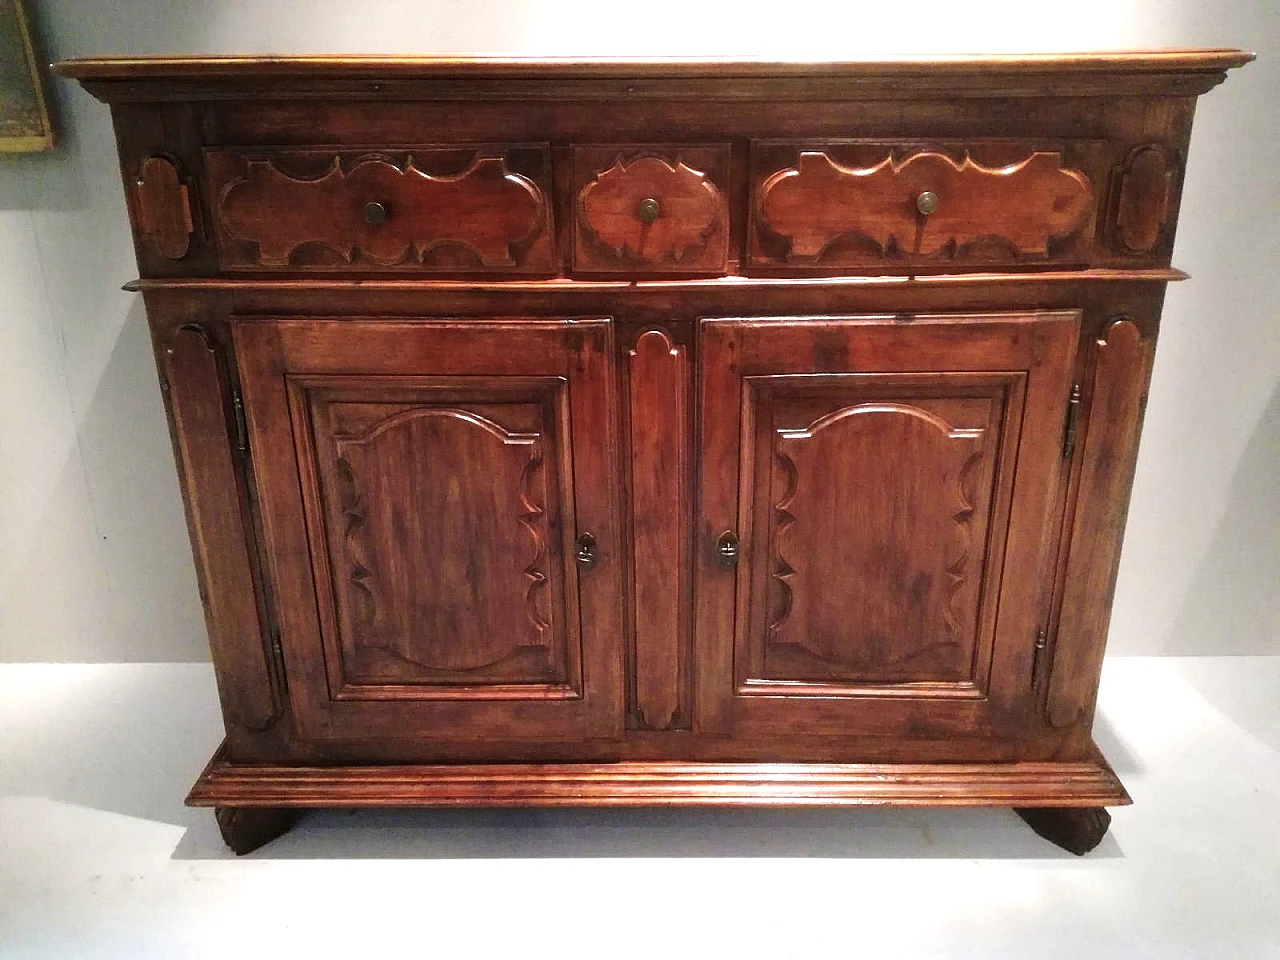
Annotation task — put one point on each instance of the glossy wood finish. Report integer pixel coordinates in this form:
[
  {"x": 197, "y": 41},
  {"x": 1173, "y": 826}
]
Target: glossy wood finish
[
  {"x": 924, "y": 206},
  {"x": 630, "y": 432},
  {"x": 426, "y": 574},
  {"x": 658, "y": 385},
  {"x": 651, "y": 209},
  {"x": 426, "y": 210},
  {"x": 1086, "y": 783},
  {"x": 882, "y": 475},
  {"x": 205, "y": 434}
]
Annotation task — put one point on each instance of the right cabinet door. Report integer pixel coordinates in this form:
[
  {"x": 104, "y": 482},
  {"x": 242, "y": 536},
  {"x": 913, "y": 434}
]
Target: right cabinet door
[{"x": 890, "y": 483}]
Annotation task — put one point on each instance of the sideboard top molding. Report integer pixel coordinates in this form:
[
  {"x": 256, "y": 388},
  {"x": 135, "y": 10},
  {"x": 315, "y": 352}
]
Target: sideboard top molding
[{"x": 1164, "y": 72}]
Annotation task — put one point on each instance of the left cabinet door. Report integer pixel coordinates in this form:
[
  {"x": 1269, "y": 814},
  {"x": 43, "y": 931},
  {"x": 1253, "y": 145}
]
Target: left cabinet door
[{"x": 424, "y": 488}]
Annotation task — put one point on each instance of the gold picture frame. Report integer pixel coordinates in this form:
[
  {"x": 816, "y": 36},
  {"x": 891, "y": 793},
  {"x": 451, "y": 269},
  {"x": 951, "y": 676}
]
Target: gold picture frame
[{"x": 24, "y": 113}]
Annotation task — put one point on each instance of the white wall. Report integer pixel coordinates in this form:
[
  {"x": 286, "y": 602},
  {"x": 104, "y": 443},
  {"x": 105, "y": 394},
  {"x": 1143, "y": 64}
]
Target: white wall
[{"x": 94, "y": 562}]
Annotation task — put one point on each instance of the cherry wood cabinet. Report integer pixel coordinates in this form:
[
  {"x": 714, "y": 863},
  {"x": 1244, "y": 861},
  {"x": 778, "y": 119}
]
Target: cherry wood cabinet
[{"x": 587, "y": 432}]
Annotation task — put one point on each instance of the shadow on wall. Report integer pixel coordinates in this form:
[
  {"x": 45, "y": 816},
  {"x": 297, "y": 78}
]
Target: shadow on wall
[{"x": 1242, "y": 561}]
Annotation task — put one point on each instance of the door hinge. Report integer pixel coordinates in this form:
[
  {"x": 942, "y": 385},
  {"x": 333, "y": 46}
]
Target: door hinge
[
  {"x": 1038, "y": 658},
  {"x": 242, "y": 426},
  {"x": 277, "y": 654},
  {"x": 1073, "y": 421}
]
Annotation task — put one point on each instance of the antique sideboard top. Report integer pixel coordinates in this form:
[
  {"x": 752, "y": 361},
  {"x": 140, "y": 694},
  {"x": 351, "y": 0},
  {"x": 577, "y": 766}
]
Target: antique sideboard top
[{"x": 1177, "y": 72}]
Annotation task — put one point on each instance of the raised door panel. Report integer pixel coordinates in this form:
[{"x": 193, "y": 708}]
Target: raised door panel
[
  {"x": 890, "y": 483},
  {"x": 426, "y": 580},
  {"x": 437, "y": 505},
  {"x": 884, "y": 484}
]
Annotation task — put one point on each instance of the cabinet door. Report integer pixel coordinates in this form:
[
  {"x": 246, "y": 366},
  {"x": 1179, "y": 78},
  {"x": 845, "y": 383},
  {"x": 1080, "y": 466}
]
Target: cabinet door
[
  {"x": 422, "y": 486},
  {"x": 891, "y": 482}
]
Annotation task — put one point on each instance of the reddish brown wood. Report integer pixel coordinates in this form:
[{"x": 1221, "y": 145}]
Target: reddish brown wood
[
  {"x": 1087, "y": 783},
  {"x": 1142, "y": 207},
  {"x": 1185, "y": 72},
  {"x": 428, "y": 564},
  {"x": 428, "y": 209},
  {"x": 858, "y": 606},
  {"x": 650, "y": 209},
  {"x": 163, "y": 208},
  {"x": 876, "y": 212},
  {"x": 658, "y": 380},
  {"x": 205, "y": 445},
  {"x": 444, "y": 394},
  {"x": 1108, "y": 443}
]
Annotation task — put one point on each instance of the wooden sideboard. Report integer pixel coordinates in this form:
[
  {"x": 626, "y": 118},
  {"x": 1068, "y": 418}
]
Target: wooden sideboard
[{"x": 580, "y": 432}]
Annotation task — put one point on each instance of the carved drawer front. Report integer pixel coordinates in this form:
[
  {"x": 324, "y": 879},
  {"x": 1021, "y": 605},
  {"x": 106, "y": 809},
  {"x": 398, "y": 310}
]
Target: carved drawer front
[
  {"x": 650, "y": 209},
  {"x": 939, "y": 206},
  {"x": 455, "y": 210},
  {"x": 423, "y": 488}
]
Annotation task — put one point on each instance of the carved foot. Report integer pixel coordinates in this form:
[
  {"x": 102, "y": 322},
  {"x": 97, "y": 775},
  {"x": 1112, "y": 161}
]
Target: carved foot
[
  {"x": 1075, "y": 829},
  {"x": 245, "y": 829}
]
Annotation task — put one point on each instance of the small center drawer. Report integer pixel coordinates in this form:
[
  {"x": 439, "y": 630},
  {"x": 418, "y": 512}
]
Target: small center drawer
[
  {"x": 430, "y": 209},
  {"x": 650, "y": 209},
  {"x": 922, "y": 206}
]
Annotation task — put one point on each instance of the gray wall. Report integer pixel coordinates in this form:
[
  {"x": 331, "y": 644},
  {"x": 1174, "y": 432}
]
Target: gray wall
[{"x": 94, "y": 562}]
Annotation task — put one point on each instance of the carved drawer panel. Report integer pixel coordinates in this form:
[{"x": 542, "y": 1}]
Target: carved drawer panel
[
  {"x": 463, "y": 209},
  {"x": 925, "y": 206},
  {"x": 646, "y": 209}
]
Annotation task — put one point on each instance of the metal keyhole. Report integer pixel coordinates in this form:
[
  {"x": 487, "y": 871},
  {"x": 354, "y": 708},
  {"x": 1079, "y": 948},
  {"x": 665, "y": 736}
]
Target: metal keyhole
[{"x": 586, "y": 553}]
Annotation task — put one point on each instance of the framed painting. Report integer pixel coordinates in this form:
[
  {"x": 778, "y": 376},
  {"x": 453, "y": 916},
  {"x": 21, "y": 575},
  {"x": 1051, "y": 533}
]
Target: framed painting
[{"x": 24, "y": 115}]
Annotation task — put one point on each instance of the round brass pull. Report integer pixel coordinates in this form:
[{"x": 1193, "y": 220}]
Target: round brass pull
[
  {"x": 374, "y": 213},
  {"x": 927, "y": 202},
  {"x": 648, "y": 210}
]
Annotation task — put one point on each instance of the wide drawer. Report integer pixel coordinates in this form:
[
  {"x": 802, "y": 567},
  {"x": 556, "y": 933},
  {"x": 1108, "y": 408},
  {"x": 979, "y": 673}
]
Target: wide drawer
[
  {"x": 428, "y": 209},
  {"x": 922, "y": 205},
  {"x": 650, "y": 209}
]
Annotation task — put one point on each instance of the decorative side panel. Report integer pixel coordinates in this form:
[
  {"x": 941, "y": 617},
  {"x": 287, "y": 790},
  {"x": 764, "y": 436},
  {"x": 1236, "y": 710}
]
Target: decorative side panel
[
  {"x": 163, "y": 207},
  {"x": 219, "y": 529},
  {"x": 461, "y": 209},
  {"x": 879, "y": 514},
  {"x": 658, "y": 376},
  {"x": 651, "y": 208},
  {"x": 1144, "y": 198},
  {"x": 926, "y": 205},
  {"x": 1120, "y": 371},
  {"x": 440, "y": 520}
]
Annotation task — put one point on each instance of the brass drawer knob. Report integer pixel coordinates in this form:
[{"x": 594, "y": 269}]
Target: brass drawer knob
[
  {"x": 648, "y": 210},
  {"x": 374, "y": 213},
  {"x": 927, "y": 202}
]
